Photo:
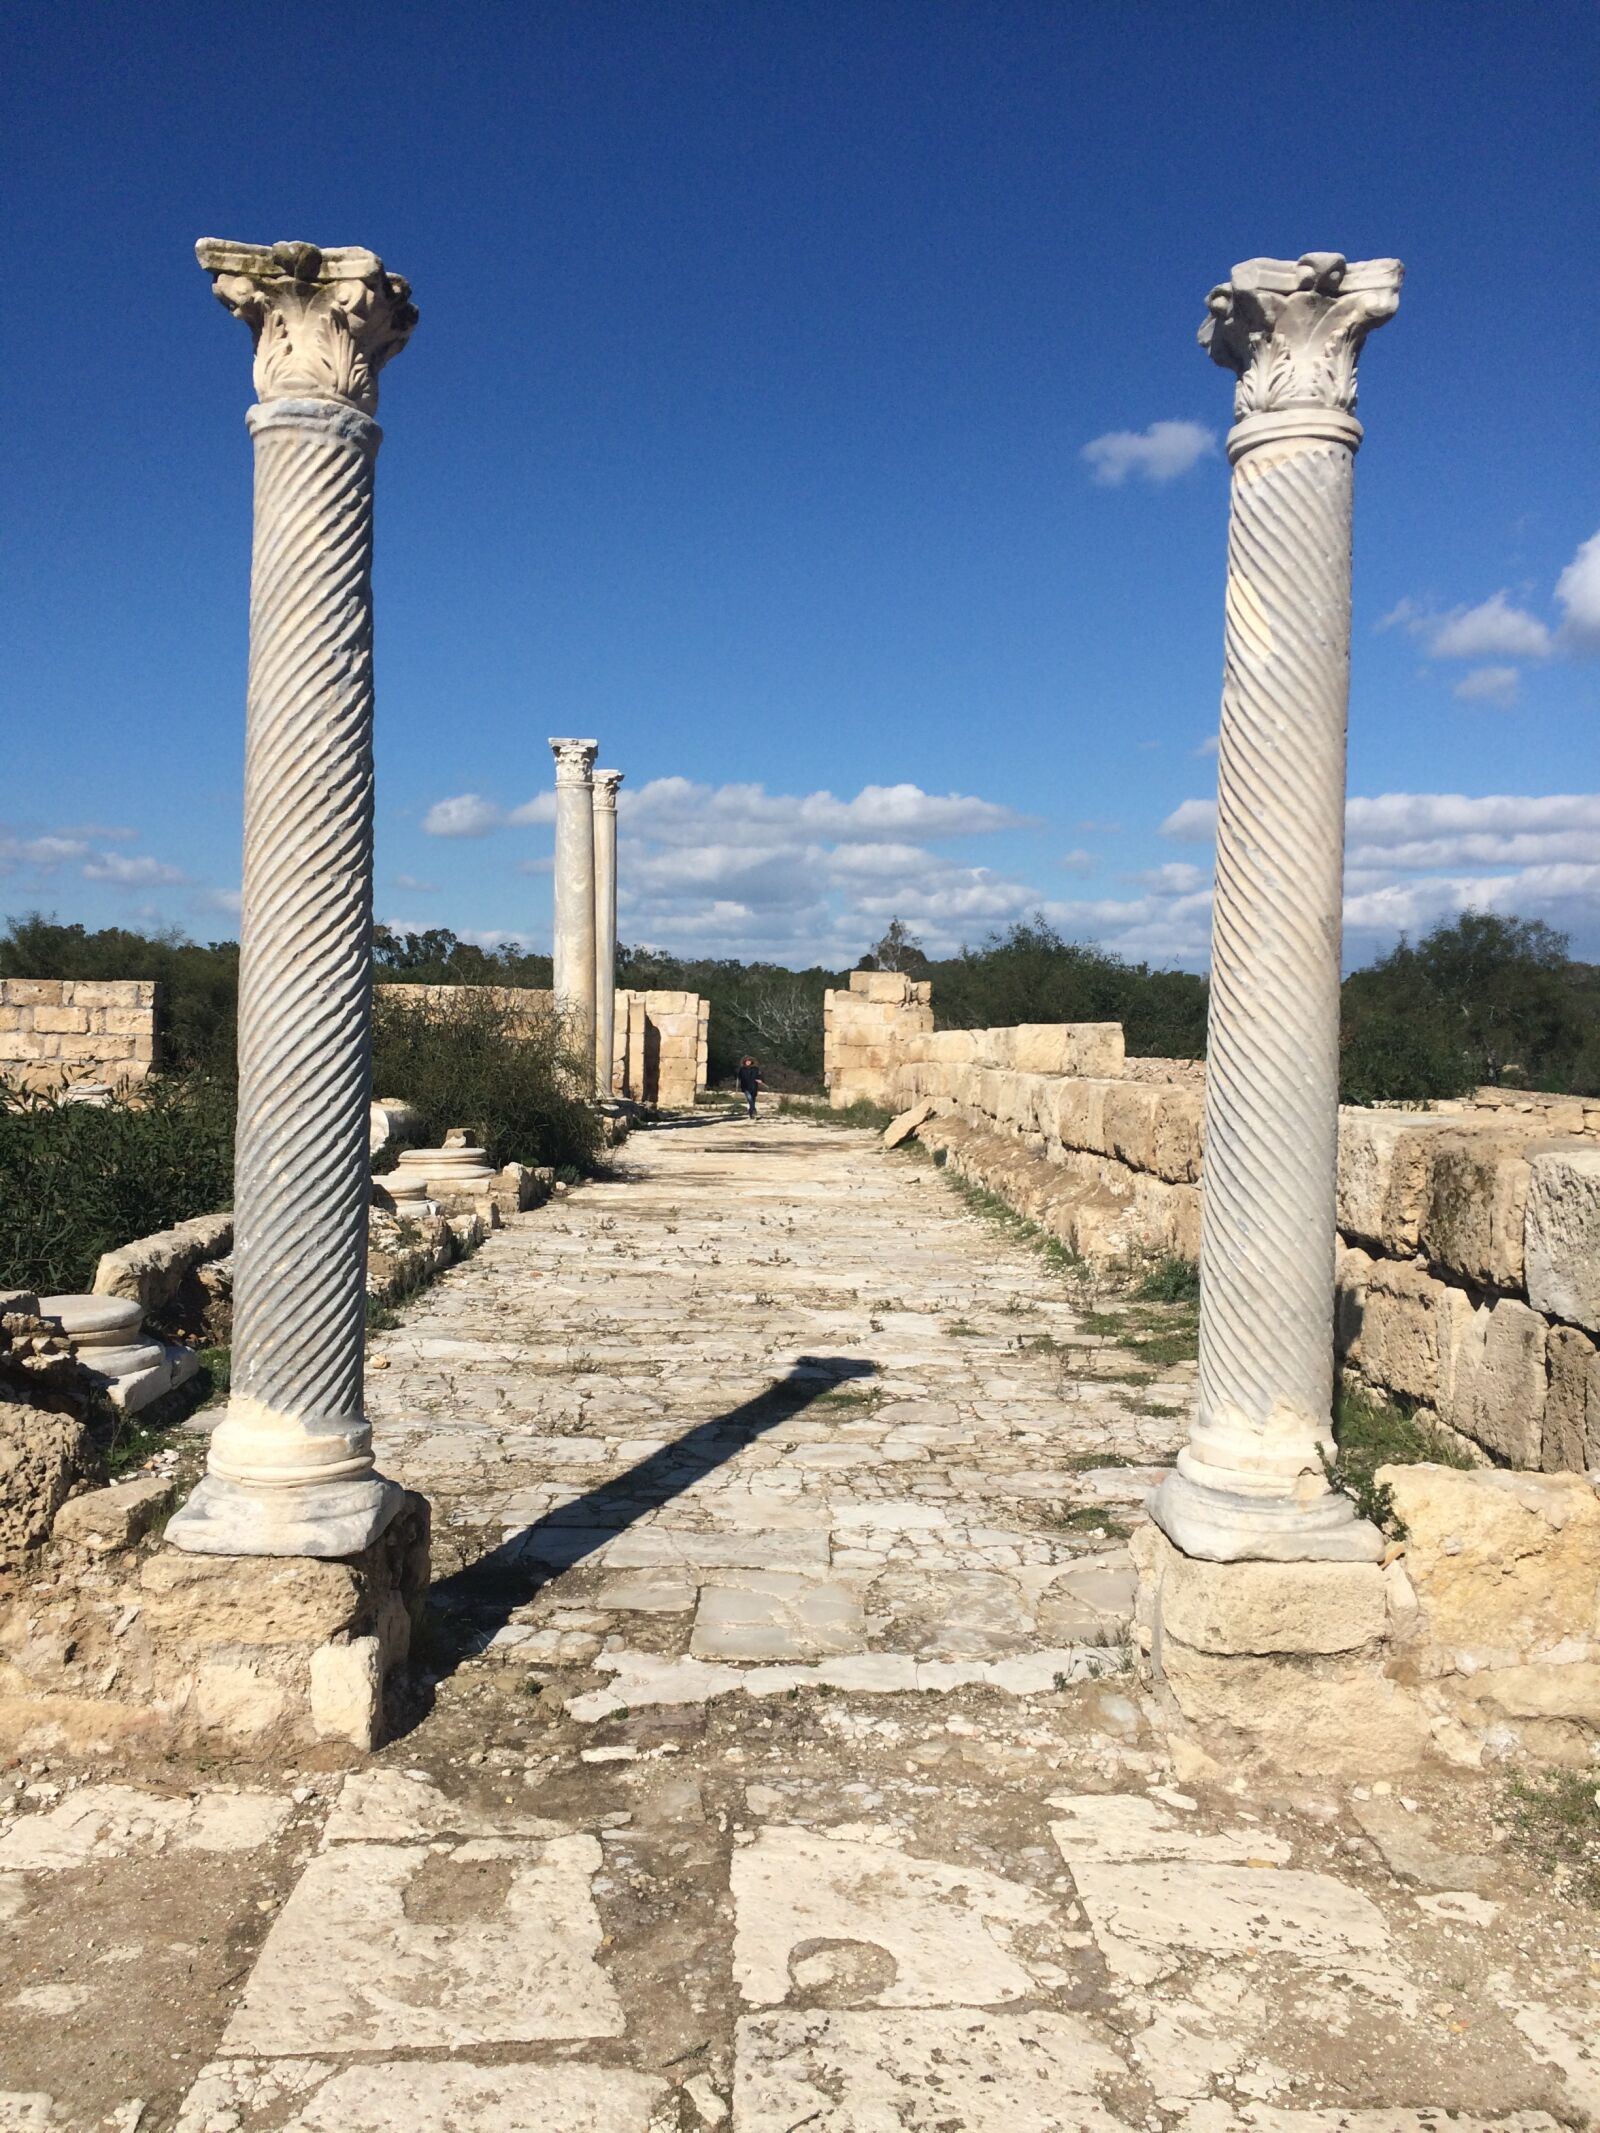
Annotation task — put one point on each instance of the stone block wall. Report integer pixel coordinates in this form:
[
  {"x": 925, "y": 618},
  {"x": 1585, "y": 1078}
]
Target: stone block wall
[
  {"x": 59, "y": 1030},
  {"x": 529, "y": 1009},
  {"x": 863, "y": 1029},
  {"x": 1468, "y": 1271},
  {"x": 660, "y": 1048}
]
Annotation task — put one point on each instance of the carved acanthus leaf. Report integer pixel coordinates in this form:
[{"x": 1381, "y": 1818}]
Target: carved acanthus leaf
[
  {"x": 574, "y": 760},
  {"x": 324, "y": 323},
  {"x": 605, "y": 788},
  {"x": 1292, "y": 329}
]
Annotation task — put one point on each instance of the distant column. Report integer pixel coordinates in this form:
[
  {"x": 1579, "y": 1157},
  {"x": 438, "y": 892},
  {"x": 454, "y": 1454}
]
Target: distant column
[
  {"x": 574, "y": 950},
  {"x": 1250, "y": 1482},
  {"x": 290, "y": 1469},
  {"x": 605, "y": 927}
]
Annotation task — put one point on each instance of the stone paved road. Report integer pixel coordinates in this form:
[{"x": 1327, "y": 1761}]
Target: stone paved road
[{"x": 779, "y": 1770}]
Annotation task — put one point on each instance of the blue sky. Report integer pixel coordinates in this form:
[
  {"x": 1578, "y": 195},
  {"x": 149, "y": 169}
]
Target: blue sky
[{"x": 748, "y": 427}]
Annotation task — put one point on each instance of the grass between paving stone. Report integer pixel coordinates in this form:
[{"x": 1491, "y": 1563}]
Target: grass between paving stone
[
  {"x": 128, "y": 1441},
  {"x": 989, "y": 1207},
  {"x": 867, "y": 1117},
  {"x": 1554, "y": 1818},
  {"x": 1171, "y": 1281},
  {"x": 1369, "y": 1433}
]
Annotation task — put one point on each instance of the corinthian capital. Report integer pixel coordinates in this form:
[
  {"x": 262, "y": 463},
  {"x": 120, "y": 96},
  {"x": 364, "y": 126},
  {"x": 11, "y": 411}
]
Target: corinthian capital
[
  {"x": 324, "y": 323},
  {"x": 1291, "y": 329},
  {"x": 605, "y": 789},
  {"x": 574, "y": 760}
]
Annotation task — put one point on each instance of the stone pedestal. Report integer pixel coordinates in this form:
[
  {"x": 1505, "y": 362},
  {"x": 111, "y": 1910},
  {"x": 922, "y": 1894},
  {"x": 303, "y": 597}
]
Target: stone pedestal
[
  {"x": 606, "y": 783},
  {"x": 290, "y": 1470},
  {"x": 269, "y": 1653},
  {"x": 1278, "y": 1664},
  {"x": 573, "y": 946},
  {"x": 1250, "y": 1482}
]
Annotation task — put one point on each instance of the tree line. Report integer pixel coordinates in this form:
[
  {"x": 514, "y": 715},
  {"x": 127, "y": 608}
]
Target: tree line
[{"x": 1481, "y": 998}]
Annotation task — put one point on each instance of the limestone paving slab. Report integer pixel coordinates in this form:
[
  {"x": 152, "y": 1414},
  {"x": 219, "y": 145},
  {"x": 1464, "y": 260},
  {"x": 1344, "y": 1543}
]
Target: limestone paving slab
[
  {"x": 604, "y": 1881},
  {"x": 920, "y": 2073},
  {"x": 856, "y": 1913},
  {"x": 388, "y": 1946},
  {"x": 418, "y": 2096}
]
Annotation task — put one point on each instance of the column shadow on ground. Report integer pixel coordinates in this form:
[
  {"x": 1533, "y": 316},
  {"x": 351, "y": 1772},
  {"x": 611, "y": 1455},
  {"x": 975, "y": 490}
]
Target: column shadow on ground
[{"x": 466, "y": 1609}]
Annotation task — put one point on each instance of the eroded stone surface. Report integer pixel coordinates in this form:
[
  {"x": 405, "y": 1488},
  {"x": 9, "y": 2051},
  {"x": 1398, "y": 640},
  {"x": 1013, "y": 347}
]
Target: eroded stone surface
[
  {"x": 923, "y": 2073},
  {"x": 411, "y": 2096},
  {"x": 383, "y": 1946},
  {"x": 800, "y": 1355}
]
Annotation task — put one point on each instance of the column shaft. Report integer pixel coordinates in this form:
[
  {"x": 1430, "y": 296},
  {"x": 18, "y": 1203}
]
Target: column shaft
[
  {"x": 1251, "y": 1481},
  {"x": 573, "y": 949},
  {"x": 606, "y": 783},
  {"x": 290, "y": 1470}
]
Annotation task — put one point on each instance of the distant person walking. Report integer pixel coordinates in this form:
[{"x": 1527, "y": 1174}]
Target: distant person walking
[{"x": 749, "y": 1081}]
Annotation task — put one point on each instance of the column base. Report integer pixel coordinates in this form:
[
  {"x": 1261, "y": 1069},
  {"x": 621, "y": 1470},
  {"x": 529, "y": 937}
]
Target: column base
[
  {"x": 323, "y": 1519},
  {"x": 1220, "y": 1527}
]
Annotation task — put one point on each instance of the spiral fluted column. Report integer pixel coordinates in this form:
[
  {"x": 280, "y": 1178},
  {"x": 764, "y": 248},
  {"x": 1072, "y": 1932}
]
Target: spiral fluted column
[
  {"x": 290, "y": 1470},
  {"x": 605, "y": 928},
  {"x": 574, "y": 943},
  {"x": 1251, "y": 1480}
]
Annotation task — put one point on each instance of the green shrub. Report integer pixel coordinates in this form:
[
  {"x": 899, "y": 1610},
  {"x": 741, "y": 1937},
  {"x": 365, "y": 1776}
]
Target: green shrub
[
  {"x": 77, "y": 1180},
  {"x": 1369, "y": 1433},
  {"x": 199, "y": 984},
  {"x": 468, "y": 1061},
  {"x": 1170, "y": 1281}
]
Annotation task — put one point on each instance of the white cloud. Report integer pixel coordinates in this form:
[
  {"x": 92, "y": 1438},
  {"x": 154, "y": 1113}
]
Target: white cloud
[
  {"x": 410, "y": 881},
  {"x": 546, "y": 865},
  {"x": 128, "y": 872},
  {"x": 674, "y": 810},
  {"x": 229, "y": 900},
  {"x": 468, "y": 814},
  {"x": 1078, "y": 861},
  {"x": 1208, "y": 746},
  {"x": 1493, "y": 628},
  {"x": 41, "y": 853},
  {"x": 1157, "y": 454},
  {"x": 1489, "y": 685},
  {"x": 1177, "y": 878},
  {"x": 541, "y": 808},
  {"x": 1413, "y": 859},
  {"x": 1578, "y": 590}
]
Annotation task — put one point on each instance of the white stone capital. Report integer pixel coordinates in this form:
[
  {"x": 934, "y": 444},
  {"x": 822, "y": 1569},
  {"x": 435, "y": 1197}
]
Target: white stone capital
[
  {"x": 1291, "y": 331},
  {"x": 605, "y": 790},
  {"x": 574, "y": 760},
  {"x": 324, "y": 323}
]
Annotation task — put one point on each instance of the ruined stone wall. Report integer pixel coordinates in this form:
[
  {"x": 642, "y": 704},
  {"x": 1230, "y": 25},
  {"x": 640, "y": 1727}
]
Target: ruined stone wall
[
  {"x": 529, "y": 1009},
  {"x": 56, "y": 1030},
  {"x": 1468, "y": 1280},
  {"x": 863, "y": 1030},
  {"x": 659, "y": 1050}
]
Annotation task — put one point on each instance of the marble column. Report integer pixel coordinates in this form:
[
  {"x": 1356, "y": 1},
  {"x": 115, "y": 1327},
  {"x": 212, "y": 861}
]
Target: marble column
[
  {"x": 290, "y": 1470},
  {"x": 574, "y": 945},
  {"x": 1250, "y": 1483},
  {"x": 605, "y": 927}
]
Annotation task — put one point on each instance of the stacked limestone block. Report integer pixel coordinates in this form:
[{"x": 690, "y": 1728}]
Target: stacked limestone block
[
  {"x": 527, "y": 1009},
  {"x": 1469, "y": 1281},
  {"x": 660, "y": 1048},
  {"x": 62, "y": 1030},
  {"x": 1469, "y": 1262},
  {"x": 1476, "y": 1640},
  {"x": 1044, "y": 1115},
  {"x": 865, "y": 1029}
]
